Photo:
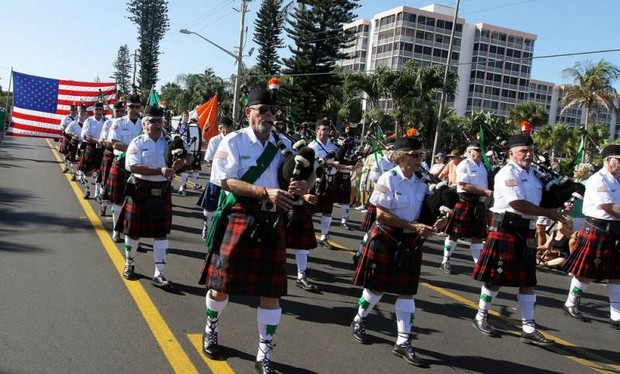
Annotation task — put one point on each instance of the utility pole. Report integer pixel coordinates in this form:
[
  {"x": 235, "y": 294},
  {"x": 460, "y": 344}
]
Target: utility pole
[
  {"x": 133, "y": 83},
  {"x": 243, "y": 10}
]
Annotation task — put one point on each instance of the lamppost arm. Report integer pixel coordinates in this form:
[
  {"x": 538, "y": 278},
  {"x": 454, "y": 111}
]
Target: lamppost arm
[{"x": 185, "y": 31}]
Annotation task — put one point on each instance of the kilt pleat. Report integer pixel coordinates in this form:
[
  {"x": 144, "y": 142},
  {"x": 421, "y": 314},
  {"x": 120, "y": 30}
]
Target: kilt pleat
[
  {"x": 582, "y": 262},
  {"x": 90, "y": 159},
  {"x": 502, "y": 261},
  {"x": 71, "y": 149},
  {"x": 342, "y": 188},
  {"x": 64, "y": 144},
  {"x": 114, "y": 190},
  {"x": 133, "y": 219},
  {"x": 209, "y": 197},
  {"x": 106, "y": 164},
  {"x": 299, "y": 228},
  {"x": 377, "y": 269},
  {"x": 462, "y": 223},
  {"x": 369, "y": 217},
  {"x": 325, "y": 203},
  {"x": 242, "y": 266}
]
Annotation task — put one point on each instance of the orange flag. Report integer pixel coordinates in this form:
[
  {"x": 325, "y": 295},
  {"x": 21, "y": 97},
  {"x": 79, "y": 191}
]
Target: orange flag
[{"x": 207, "y": 118}]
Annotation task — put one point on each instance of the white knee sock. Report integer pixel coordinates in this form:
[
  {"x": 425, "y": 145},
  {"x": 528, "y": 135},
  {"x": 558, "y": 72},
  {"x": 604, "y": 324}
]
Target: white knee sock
[
  {"x": 97, "y": 189},
  {"x": 527, "y": 303},
  {"x": 366, "y": 303},
  {"x": 405, "y": 313},
  {"x": 183, "y": 180},
  {"x": 448, "y": 247},
  {"x": 475, "y": 251},
  {"x": 131, "y": 246},
  {"x": 116, "y": 211},
  {"x": 214, "y": 310},
  {"x": 574, "y": 292},
  {"x": 195, "y": 177},
  {"x": 160, "y": 250},
  {"x": 326, "y": 221},
  {"x": 268, "y": 320},
  {"x": 344, "y": 209},
  {"x": 208, "y": 215},
  {"x": 486, "y": 298},
  {"x": 301, "y": 257},
  {"x": 614, "y": 301}
]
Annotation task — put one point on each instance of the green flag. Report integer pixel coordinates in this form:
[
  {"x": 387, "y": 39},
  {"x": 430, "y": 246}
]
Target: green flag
[
  {"x": 154, "y": 98},
  {"x": 579, "y": 157},
  {"x": 103, "y": 100},
  {"x": 484, "y": 156}
]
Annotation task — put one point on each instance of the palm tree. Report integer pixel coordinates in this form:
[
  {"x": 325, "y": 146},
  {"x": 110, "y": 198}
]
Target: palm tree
[{"x": 528, "y": 111}]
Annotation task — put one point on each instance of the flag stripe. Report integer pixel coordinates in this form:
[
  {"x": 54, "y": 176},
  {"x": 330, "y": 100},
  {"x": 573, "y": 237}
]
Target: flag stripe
[
  {"x": 84, "y": 93},
  {"x": 35, "y": 119},
  {"x": 85, "y": 84},
  {"x": 40, "y": 129}
]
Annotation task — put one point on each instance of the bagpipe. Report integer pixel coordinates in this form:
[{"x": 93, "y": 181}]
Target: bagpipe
[
  {"x": 175, "y": 150},
  {"x": 439, "y": 202},
  {"x": 295, "y": 167},
  {"x": 558, "y": 189}
]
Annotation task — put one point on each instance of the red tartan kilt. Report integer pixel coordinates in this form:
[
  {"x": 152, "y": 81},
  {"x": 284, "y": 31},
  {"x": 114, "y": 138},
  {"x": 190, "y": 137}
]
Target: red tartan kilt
[
  {"x": 300, "y": 235},
  {"x": 106, "y": 164},
  {"x": 377, "y": 269},
  {"x": 516, "y": 271},
  {"x": 64, "y": 142},
  {"x": 242, "y": 266},
  {"x": 581, "y": 262},
  {"x": 342, "y": 188},
  {"x": 91, "y": 159},
  {"x": 71, "y": 149},
  {"x": 369, "y": 217},
  {"x": 325, "y": 203},
  {"x": 115, "y": 183},
  {"x": 133, "y": 220},
  {"x": 463, "y": 224}
]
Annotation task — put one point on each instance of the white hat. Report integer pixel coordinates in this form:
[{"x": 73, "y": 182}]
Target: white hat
[{"x": 490, "y": 153}]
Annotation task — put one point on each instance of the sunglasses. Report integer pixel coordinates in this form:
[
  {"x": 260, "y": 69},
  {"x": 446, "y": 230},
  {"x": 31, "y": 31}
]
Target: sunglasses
[{"x": 265, "y": 108}]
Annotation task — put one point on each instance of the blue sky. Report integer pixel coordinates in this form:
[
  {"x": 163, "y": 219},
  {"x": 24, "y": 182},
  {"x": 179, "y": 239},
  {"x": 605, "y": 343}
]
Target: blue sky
[{"x": 79, "y": 40}]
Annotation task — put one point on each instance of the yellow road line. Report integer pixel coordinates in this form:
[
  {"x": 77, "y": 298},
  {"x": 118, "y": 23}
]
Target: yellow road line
[
  {"x": 218, "y": 367},
  {"x": 336, "y": 245},
  {"x": 514, "y": 323},
  {"x": 169, "y": 344}
]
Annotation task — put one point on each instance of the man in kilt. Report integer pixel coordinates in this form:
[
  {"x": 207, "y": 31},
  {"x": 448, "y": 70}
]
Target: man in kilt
[
  {"x": 74, "y": 131},
  {"x": 392, "y": 256},
  {"x": 210, "y": 195},
  {"x": 248, "y": 254},
  {"x": 194, "y": 145},
  {"x": 342, "y": 179},
  {"x": 468, "y": 219},
  {"x": 147, "y": 210},
  {"x": 118, "y": 111},
  {"x": 508, "y": 257},
  {"x": 300, "y": 237},
  {"x": 122, "y": 132},
  {"x": 93, "y": 151},
  {"x": 66, "y": 139},
  {"x": 597, "y": 255},
  {"x": 326, "y": 150}
]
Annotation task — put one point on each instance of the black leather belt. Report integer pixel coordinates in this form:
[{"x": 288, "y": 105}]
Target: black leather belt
[
  {"x": 609, "y": 226},
  {"x": 153, "y": 191}
]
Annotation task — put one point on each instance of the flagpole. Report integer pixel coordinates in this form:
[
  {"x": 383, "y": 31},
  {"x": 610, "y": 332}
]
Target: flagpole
[{"x": 6, "y": 106}]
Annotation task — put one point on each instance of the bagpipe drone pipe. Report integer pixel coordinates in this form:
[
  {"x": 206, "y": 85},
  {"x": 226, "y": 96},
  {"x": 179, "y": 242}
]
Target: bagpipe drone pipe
[
  {"x": 175, "y": 150},
  {"x": 557, "y": 189},
  {"x": 439, "y": 202}
]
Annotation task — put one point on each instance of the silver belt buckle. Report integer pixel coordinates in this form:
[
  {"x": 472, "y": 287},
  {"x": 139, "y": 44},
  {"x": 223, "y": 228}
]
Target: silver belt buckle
[{"x": 156, "y": 191}]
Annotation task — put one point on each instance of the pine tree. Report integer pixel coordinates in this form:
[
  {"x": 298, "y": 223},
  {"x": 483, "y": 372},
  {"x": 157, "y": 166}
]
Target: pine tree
[
  {"x": 122, "y": 69},
  {"x": 317, "y": 30},
  {"x": 268, "y": 27},
  {"x": 151, "y": 17}
]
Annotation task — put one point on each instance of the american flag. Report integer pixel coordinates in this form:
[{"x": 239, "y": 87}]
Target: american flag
[{"x": 40, "y": 103}]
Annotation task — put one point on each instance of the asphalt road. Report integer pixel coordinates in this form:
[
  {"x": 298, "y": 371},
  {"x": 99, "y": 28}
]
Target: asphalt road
[{"x": 65, "y": 308}]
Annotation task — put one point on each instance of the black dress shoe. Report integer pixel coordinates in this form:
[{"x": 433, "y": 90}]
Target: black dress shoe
[
  {"x": 359, "y": 331},
  {"x": 66, "y": 169},
  {"x": 160, "y": 282},
  {"x": 614, "y": 324},
  {"x": 405, "y": 351},
  {"x": 344, "y": 226},
  {"x": 128, "y": 272},
  {"x": 536, "y": 338},
  {"x": 446, "y": 268},
  {"x": 485, "y": 328},
  {"x": 325, "y": 243},
  {"x": 574, "y": 312},
  {"x": 86, "y": 193},
  {"x": 264, "y": 366},
  {"x": 210, "y": 346},
  {"x": 304, "y": 285}
]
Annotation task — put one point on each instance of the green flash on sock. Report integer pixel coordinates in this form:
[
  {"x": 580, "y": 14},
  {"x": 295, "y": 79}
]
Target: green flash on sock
[
  {"x": 447, "y": 248},
  {"x": 577, "y": 291},
  {"x": 271, "y": 329},
  {"x": 127, "y": 247},
  {"x": 363, "y": 303},
  {"x": 212, "y": 314},
  {"x": 486, "y": 298},
  {"x": 412, "y": 318}
]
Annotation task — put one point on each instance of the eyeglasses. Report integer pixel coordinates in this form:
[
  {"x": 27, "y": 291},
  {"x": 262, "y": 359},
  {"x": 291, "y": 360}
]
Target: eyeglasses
[{"x": 265, "y": 108}]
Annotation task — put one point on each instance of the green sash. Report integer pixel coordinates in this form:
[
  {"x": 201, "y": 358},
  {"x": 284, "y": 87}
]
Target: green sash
[{"x": 226, "y": 201}]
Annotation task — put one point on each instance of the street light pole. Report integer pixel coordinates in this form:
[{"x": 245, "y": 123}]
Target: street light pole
[{"x": 239, "y": 58}]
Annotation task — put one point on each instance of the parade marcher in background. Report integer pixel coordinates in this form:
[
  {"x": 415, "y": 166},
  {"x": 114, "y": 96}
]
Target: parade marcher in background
[
  {"x": 209, "y": 197},
  {"x": 345, "y": 165},
  {"x": 392, "y": 257},
  {"x": 597, "y": 255},
  {"x": 122, "y": 132},
  {"x": 74, "y": 130},
  {"x": 449, "y": 172},
  {"x": 93, "y": 151},
  {"x": 468, "y": 218},
  {"x": 324, "y": 149},
  {"x": 64, "y": 123},
  {"x": 247, "y": 255},
  {"x": 118, "y": 111},
  {"x": 438, "y": 165},
  {"x": 508, "y": 257},
  {"x": 147, "y": 210},
  {"x": 193, "y": 143}
]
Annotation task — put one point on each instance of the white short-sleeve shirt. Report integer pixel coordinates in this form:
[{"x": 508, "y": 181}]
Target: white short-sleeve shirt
[
  {"x": 601, "y": 188},
  {"x": 92, "y": 127},
  {"x": 402, "y": 196},
  {"x": 75, "y": 128},
  {"x": 66, "y": 121},
  {"x": 124, "y": 130},
  {"x": 514, "y": 183},
  {"x": 105, "y": 130},
  {"x": 239, "y": 151},
  {"x": 321, "y": 150},
  {"x": 144, "y": 151},
  {"x": 214, "y": 142},
  {"x": 469, "y": 172}
]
